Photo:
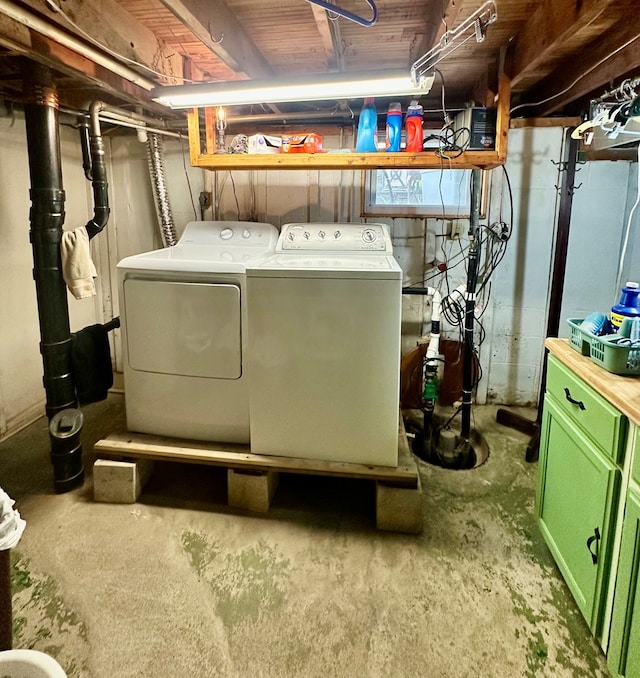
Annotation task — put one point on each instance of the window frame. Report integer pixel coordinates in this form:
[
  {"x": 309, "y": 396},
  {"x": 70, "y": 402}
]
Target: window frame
[{"x": 369, "y": 208}]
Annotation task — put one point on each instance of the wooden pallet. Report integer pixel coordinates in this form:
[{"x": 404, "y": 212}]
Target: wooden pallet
[{"x": 252, "y": 479}]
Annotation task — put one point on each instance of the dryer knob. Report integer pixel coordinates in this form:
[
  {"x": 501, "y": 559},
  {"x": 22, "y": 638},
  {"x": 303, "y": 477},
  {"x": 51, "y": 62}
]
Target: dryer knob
[
  {"x": 226, "y": 233},
  {"x": 246, "y": 233}
]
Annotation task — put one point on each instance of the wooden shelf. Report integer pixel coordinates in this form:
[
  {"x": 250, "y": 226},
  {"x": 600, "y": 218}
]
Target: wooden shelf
[{"x": 341, "y": 161}]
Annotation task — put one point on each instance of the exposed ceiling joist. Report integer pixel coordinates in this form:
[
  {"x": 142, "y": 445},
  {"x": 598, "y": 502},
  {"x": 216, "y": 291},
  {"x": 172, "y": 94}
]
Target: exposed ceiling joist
[
  {"x": 108, "y": 24},
  {"x": 554, "y": 43},
  {"x": 217, "y": 27},
  {"x": 553, "y": 22},
  {"x": 23, "y": 41},
  {"x": 612, "y": 57},
  {"x": 323, "y": 23},
  {"x": 441, "y": 16}
]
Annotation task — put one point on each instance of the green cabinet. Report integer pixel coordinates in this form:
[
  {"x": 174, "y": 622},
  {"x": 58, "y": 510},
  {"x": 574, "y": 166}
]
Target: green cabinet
[
  {"x": 577, "y": 496},
  {"x": 588, "y": 497},
  {"x": 624, "y": 646}
]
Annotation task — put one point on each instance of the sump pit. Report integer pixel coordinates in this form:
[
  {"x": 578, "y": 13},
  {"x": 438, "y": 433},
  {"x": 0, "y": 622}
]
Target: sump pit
[{"x": 447, "y": 449}]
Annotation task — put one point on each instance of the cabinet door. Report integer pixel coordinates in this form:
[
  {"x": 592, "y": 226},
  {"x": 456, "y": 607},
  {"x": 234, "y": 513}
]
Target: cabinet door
[
  {"x": 577, "y": 488},
  {"x": 624, "y": 648}
]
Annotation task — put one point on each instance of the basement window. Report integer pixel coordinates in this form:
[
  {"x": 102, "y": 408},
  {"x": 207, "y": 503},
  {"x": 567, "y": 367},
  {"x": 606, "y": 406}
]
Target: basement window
[{"x": 416, "y": 193}]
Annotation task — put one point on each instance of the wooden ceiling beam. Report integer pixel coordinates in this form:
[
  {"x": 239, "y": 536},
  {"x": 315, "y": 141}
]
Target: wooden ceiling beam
[
  {"x": 30, "y": 44},
  {"x": 550, "y": 25},
  {"x": 614, "y": 55},
  {"x": 323, "y": 23},
  {"x": 109, "y": 25},
  {"x": 217, "y": 27},
  {"x": 441, "y": 17}
]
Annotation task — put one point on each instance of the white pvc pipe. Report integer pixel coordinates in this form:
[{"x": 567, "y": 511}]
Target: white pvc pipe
[
  {"x": 50, "y": 31},
  {"x": 434, "y": 338}
]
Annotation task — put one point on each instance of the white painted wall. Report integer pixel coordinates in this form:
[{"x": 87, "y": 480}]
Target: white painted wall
[
  {"x": 522, "y": 285},
  {"x": 21, "y": 391},
  {"x": 520, "y": 289},
  {"x": 515, "y": 317}
]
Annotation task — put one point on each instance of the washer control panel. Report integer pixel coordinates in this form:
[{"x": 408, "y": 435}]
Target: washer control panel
[{"x": 329, "y": 237}]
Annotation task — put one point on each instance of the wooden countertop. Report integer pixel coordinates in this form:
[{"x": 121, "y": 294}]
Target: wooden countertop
[{"x": 622, "y": 392}]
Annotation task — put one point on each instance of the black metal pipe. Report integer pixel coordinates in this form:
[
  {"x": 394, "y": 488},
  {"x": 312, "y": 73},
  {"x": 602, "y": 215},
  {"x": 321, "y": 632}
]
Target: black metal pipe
[
  {"x": 46, "y": 218},
  {"x": 98, "y": 173},
  {"x": 83, "y": 128},
  {"x": 424, "y": 291},
  {"x": 470, "y": 304},
  {"x": 113, "y": 324}
]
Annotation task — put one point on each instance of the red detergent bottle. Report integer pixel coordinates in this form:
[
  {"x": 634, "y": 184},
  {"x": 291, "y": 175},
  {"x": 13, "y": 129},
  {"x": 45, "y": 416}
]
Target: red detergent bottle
[{"x": 413, "y": 125}]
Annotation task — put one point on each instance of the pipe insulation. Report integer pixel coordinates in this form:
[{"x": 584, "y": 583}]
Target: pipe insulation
[{"x": 155, "y": 157}]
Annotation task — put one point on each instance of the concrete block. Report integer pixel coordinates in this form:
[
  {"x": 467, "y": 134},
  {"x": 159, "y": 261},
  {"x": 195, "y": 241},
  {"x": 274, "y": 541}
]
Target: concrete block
[
  {"x": 120, "y": 482},
  {"x": 399, "y": 509},
  {"x": 251, "y": 490}
]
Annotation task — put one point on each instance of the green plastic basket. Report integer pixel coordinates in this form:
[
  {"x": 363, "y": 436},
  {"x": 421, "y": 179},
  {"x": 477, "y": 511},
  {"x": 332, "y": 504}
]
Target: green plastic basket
[
  {"x": 578, "y": 338},
  {"x": 604, "y": 350}
]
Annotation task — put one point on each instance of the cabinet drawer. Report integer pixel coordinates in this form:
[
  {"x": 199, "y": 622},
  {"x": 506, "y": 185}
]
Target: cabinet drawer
[
  {"x": 635, "y": 471},
  {"x": 597, "y": 418}
]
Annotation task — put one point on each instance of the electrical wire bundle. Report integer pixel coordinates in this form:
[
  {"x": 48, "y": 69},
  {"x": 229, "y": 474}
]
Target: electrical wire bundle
[{"x": 493, "y": 243}]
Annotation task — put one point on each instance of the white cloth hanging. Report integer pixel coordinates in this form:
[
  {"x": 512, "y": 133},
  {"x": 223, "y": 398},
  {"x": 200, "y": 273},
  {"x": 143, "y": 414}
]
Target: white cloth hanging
[
  {"x": 11, "y": 524},
  {"x": 78, "y": 270}
]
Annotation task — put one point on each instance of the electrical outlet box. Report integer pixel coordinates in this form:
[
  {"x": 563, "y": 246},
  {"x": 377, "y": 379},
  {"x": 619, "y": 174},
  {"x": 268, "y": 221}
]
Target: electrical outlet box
[
  {"x": 205, "y": 199},
  {"x": 455, "y": 229}
]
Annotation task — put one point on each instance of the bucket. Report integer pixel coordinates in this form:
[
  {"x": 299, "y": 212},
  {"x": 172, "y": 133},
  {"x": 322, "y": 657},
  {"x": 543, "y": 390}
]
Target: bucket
[{"x": 29, "y": 664}]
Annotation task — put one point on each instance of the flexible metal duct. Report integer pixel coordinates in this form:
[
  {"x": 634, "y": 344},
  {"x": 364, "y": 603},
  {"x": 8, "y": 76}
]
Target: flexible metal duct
[{"x": 155, "y": 157}]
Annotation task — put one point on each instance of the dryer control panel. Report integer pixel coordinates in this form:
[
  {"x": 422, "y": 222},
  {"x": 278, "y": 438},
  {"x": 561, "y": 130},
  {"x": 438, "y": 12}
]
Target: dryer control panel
[
  {"x": 245, "y": 234},
  {"x": 332, "y": 237}
]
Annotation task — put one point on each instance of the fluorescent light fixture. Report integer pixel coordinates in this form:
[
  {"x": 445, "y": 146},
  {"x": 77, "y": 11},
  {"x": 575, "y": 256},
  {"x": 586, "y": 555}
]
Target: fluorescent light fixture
[{"x": 309, "y": 88}]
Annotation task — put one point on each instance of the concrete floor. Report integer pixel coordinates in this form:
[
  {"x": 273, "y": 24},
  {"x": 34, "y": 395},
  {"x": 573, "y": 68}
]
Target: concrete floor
[{"x": 179, "y": 585}]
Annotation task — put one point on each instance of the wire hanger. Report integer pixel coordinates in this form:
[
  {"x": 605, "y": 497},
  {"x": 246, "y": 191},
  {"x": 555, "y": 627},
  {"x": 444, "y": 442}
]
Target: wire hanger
[{"x": 329, "y": 6}]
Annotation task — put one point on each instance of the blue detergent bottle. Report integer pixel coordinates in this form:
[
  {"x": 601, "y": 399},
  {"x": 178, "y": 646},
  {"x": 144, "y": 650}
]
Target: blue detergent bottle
[
  {"x": 367, "y": 140},
  {"x": 628, "y": 306},
  {"x": 394, "y": 128}
]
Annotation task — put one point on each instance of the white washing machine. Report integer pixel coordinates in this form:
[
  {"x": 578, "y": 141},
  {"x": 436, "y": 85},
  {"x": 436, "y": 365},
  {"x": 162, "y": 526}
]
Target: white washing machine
[
  {"x": 184, "y": 332},
  {"x": 324, "y": 345}
]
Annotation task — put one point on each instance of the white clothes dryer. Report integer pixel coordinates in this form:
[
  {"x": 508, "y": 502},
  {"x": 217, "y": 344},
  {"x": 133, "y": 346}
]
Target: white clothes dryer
[
  {"x": 324, "y": 346},
  {"x": 184, "y": 332}
]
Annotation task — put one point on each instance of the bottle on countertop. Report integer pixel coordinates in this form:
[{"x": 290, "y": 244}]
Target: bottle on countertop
[
  {"x": 367, "y": 139},
  {"x": 394, "y": 128},
  {"x": 628, "y": 306},
  {"x": 413, "y": 124}
]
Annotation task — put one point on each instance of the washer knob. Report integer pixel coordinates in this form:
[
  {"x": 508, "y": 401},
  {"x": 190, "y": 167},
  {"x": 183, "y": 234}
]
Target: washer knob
[
  {"x": 246, "y": 233},
  {"x": 226, "y": 233},
  {"x": 369, "y": 235}
]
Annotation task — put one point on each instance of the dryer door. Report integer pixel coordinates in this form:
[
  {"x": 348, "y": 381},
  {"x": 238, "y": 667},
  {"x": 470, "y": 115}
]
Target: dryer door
[{"x": 183, "y": 328}]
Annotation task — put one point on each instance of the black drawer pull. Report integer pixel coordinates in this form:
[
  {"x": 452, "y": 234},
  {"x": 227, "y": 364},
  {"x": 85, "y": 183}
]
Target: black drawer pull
[
  {"x": 595, "y": 537},
  {"x": 579, "y": 403}
]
